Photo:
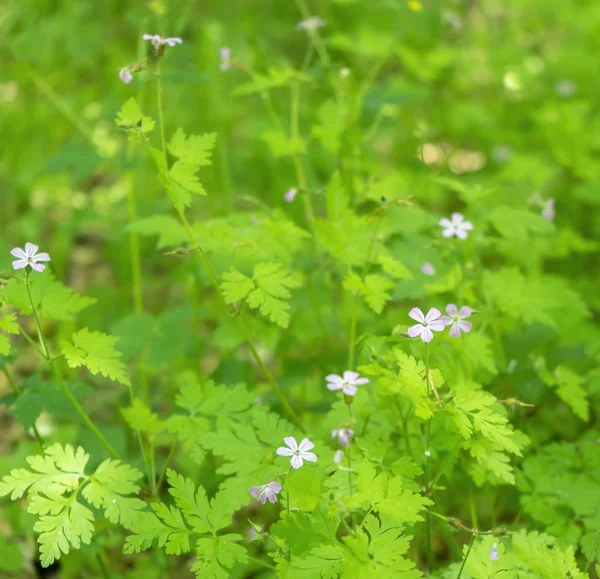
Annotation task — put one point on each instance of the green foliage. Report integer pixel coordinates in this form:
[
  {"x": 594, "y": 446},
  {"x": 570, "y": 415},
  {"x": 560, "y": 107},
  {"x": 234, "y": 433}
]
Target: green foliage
[
  {"x": 131, "y": 118},
  {"x": 8, "y": 325},
  {"x": 268, "y": 290},
  {"x": 53, "y": 485}
]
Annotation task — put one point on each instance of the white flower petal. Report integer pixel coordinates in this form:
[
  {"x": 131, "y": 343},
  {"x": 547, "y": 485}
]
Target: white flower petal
[
  {"x": 349, "y": 389},
  {"x": 291, "y": 442},
  {"x": 416, "y": 314},
  {"x": 451, "y": 309},
  {"x": 426, "y": 335},
  {"x": 310, "y": 456},
  {"x": 465, "y": 312},
  {"x": 18, "y": 252},
  {"x": 334, "y": 378},
  {"x": 360, "y": 381},
  {"x": 42, "y": 257},
  {"x": 415, "y": 330},
  {"x": 19, "y": 264},
  {"x": 38, "y": 267},
  {"x": 306, "y": 444},
  {"x": 30, "y": 249},
  {"x": 432, "y": 314},
  {"x": 296, "y": 461},
  {"x": 283, "y": 451},
  {"x": 350, "y": 376}
]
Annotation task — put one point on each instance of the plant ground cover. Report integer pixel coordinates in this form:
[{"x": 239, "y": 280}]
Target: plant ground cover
[{"x": 302, "y": 289}]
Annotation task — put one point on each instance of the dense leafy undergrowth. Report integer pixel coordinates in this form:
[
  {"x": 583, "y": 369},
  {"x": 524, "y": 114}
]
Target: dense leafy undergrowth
[{"x": 302, "y": 289}]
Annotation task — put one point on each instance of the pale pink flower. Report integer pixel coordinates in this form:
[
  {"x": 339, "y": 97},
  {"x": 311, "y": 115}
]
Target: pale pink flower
[
  {"x": 456, "y": 318},
  {"x": 159, "y": 42},
  {"x": 427, "y": 324},
  {"x": 337, "y": 457},
  {"x": 427, "y": 269},
  {"x": 548, "y": 211},
  {"x": 494, "y": 552},
  {"x": 125, "y": 74},
  {"x": 346, "y": 383},
  {"x": 29, "y": 257},
  {"x": 456, "y": 226},
  {"x": 291, "y": 194},
  {"x": 311, "y": 24},
  {"x": 298, "y": 452},
  {"x": 266, "y": 491},
  {"x": 225, "y": 59},
  {"x": 343, "y": 435}
]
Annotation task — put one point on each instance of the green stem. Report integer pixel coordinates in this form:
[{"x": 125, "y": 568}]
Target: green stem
[
  {"x": 160, "y": 112},
  {"x": 261, "y": 562},
  {"x": 17, "y": 391},
  {"x": 152, "y": 469},
  {"x": 430, "y": 558},
  {"x": 352, "y": 334},
  {"x": 166, "y": 465},
  {"x": 314, "y": 35},
  {"x": 65, "y": 388},
  {"x": 466, "y": 557},
  {"x": 592, "y": 553},
  {"x": 102, "y": 565},
  {"x": 139, "y": 438},
  {"x": 134, "y": 251}
]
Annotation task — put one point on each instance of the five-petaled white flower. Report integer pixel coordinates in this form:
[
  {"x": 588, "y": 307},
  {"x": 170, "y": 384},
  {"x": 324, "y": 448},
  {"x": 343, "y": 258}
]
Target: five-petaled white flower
[
  {"x": 225, "y": 58},
  {"x": 311, "y": 24},
  {"x": 125, "y": 74},
  {"x": 298, "y": 452},
  {"x": 456, "y": 226},
  {"x": 428, "y": 324},
  {"x": 289, "y": 196},
  {"x": 456, "y": 318},
  {"x": 343, "y": 435},
  {"x": 266, "y": 491},
  {"x": 28, "y": 256},
  {"x": 346, "y": 383},
  {"x": 494, "y": 552},
  {"x": 159, "y": 42}
]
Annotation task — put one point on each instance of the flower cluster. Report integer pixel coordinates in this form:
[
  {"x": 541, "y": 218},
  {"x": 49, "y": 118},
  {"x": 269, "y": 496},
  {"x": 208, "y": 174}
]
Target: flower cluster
[
  {"x": 298, "y": 453},
  {"x": 435, "y": 322}
]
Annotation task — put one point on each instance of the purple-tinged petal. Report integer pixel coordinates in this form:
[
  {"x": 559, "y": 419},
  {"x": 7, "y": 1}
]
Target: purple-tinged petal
[
  {"x": 262, "y": 498},
  {"x": 149, "y": 36},
  {"x": 427, "y": 269},
  {"x": 432, "y": 314},
  {"x": 291, "y": 194},
  {"x": 461, "y": 234},
  {"x": 334, "y": 432},
  {"x": 465, "y": 312},
  {"x": 436, "y": 326},
  {"x": 467, "y": 226},
  {"x": 451, "y": 309},
  {"x": 360, "y": 381},
  {"x": 334, "y": 379},
  {"x": 125, "y": 75},
  {"x": 426, "y": 335},
  {"x": 333, "y": 387},
  {"x": 455, "y": 330},
  {"x": 449, "y": 232},
  {"x": 446, "y": 320},
  {"x": 283, "y": 451},
  {"x": 337, "y": 457},
  {"x": 457, "y": 218},
  {"x": 296, "y": 461},
  {"x": 173, "y": 41},
  {"x": 310, "y": 456},
  {"x": 465, "y": 326},
  {"x": 18, "y": 252},
  {"x": 275, "y": 487},
  {"x": 291, "y": 442},
  {"x": 42, "y": 257},
  {"x": 38, "y": 267},
  {"x": 30, "y": 249},
  {"x": 19, "y": 264},
  {"x": 255, "y": 491},
  {"x": 350, "y": 376},
  {"x": 306, "y": 444},
  {"x": 494, "y": 552},
  {"x": 416, "y": 314},
  {"x": 445, "y": 223},
  {"x": 271, "y": 496},
  {"x": 349, "y": 389},
  {"x": 415, "y": 330}
]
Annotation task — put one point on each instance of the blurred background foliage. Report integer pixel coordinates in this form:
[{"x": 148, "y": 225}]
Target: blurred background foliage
[{"x": 489, "y": 107}]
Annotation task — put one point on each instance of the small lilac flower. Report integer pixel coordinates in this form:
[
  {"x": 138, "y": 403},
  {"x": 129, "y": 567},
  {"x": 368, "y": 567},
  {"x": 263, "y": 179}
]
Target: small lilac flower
[
  {"x": 347, "y": 384},
  {"x": 310, "y": 24},
  {"x": 456, "y": 319},
  {"x": 566, "y": 88},
  {"x": 427, "y": 269},
  {"x": 343, "y": 435},
  {"x": 125, "y": 74},
  {"x": 456, "y": 226},
  {"x": 298, "y": 452},
  {"x": 428, "y": 324},
  {"x": 225, "y": 59},
  {"x": 159, "y": 42},
  {"x": 337, "y": 457},
  {"x": 29, "y": 257},
  {"x": 266, "y": 491},
  {"x": 548, "y": 211},
  {"x": 494, "y": 552},
  {"x": 289, "y": 196}
]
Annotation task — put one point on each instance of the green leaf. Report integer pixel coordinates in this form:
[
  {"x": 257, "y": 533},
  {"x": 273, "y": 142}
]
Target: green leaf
[
  {"x": 374, "y": 289},
  {"x": 218, "y": 554},
  {"x": 304, "y": 487},
  {"x": 195, "y": 149},
  {"x": 52, "y": 299},
  {"x": 96, "y": 352},
  {"x": 283, "y": 146},
  {"x": 139, "y": 417},
  {"x": 235, "y": 286},
  {"x": 169, "y": 231},
  {"x": 517, "y": 224},
  {"x": 393, "y": 267},
  {"x": 130, "y": 117},
  {"x": 272, "y": 292},
  {"x": 8, "y": 324}
]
